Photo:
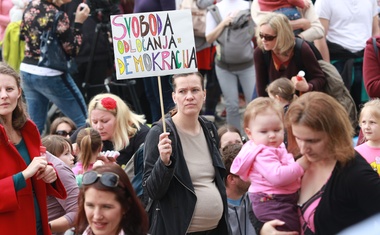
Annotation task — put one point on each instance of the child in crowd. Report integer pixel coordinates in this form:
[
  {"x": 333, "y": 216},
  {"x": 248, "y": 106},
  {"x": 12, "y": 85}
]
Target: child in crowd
[
  {"x": 229, "y": 134},
  {"x": 90, "y": 145},
  {"x": 61, "y": 212},
  {"x": 282, "y": 90},
  {"x": 60, "y": 147},
  {"x": 275, "y": 176},
  {"x": 369, "y": 122}
]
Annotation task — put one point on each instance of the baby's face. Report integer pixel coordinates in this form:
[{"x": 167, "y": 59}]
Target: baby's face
[{"x": 266, "y": 128}]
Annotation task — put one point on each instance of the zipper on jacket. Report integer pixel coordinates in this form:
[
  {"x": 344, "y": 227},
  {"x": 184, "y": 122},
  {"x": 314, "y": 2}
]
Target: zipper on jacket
[{"x": 190, "y": 191}]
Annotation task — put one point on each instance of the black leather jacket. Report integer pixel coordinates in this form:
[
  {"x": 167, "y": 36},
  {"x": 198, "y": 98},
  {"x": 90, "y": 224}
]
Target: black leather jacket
[{"x": 171, "y": 187}]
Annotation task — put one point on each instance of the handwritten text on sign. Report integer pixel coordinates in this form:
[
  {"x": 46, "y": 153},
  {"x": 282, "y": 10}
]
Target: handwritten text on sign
[{"x": 153, "y": 44}]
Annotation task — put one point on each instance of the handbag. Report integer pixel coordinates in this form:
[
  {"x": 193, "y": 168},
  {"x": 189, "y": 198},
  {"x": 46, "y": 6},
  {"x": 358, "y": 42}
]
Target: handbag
[{"x": 52, "y": 54}]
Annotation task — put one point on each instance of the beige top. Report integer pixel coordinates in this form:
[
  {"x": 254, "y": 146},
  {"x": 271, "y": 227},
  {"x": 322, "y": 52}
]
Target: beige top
[
  {"x": 209, "y": 207},
  {"x": 316, "y": 30}
]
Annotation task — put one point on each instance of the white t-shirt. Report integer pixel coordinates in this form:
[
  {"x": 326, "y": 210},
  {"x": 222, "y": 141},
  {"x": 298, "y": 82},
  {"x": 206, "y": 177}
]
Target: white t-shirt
[
  {"x": 225, "y": 7},
  {"x": 350, "y": 21}
]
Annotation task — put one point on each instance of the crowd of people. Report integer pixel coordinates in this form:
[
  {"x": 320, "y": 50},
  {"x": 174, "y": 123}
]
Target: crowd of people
[{"x": 287, "y": 165}]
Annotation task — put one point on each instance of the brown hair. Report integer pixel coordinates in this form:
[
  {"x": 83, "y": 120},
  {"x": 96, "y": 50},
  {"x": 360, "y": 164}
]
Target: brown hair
[
  {"x": 89, "y": 143},
  {"x": 135, "y": 219},
  {"x": 283, "y": 88},
  {"x": 229, "y": 152},
  {"x": 56, "y": 144},
  {"x": 19, "y": 114},
  {"x": 59, "y": 120},
  {"x": 227, "y": 128},
  {"x": 321, "y": 112},
  {"x": 186, "y": 75}
]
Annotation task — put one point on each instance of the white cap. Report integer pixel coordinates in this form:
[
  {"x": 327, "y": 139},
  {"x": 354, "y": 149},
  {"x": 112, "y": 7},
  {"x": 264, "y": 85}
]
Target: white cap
[{"x": 301, "y": 73}]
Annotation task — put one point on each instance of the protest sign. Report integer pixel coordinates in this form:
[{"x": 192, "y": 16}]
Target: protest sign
[{"x": 153, "y": 44}]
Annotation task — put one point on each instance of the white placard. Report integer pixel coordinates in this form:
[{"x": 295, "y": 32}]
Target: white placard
[{"x": 153, "y": 44}]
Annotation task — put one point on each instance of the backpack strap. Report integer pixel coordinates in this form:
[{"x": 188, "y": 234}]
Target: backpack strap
[
  {"x": 214, "y": 10},
  {"x": 298, "y": 52},
  {"x": 211, "y": 129}
]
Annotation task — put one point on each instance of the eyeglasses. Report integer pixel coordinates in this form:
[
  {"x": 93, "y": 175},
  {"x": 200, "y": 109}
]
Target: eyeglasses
[
  {"x": 108, "y": 179},
  {"x": 64, "y": 133},
  {"x": 267, "y": 37}
]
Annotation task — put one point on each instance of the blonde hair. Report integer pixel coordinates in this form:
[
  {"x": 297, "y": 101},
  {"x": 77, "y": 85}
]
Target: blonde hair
[
  {"x": 373, "y": 107},
  {"x": 260, "y": 105},
  {"x": 285, "y": 39},
  {"x": 321, "y": 112},
  {"x": 89, "y": 143},
  {"x": 283, "y": 88},
  {"x": 56, "y": 144},
  {"x": 127, "y": 122}
]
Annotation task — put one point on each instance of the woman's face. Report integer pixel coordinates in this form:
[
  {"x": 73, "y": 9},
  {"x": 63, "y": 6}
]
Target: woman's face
[
  {"x": 103, "y": 211},
  {"x": 230, "y": 138},
  {"x": 9, "y": 95},
  {"x": 104, "y": 122},
  {"x": 312, "y": 144},
  {"x": 189, "y": 95},
  {"x": 64, "y": 130},
  {"x": 268, "y": 37},
  {"x": 67, "y": 157}
]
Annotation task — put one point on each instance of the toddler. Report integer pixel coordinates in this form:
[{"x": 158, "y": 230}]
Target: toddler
[
  {"x": 60, "y": 147},
  {"x": 264, "y": 160},
  {"x": 282, "y": 90},
  {"x": 369, "y": 122},
  {"x": 89, "y": 144}
]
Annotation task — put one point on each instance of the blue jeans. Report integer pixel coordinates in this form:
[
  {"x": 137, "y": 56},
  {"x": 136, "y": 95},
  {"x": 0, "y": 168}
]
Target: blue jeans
[
  {"x": 153, "y": 96},
  {"x": 60, "y": 90},
  {"x": 291, "y": 12}
]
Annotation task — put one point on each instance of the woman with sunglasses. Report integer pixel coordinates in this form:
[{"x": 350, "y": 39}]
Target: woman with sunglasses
[
  {"x": 26, "y": 177},
  {"x": 62, "y": 126},
  {"x": 108, "y": 204},
  {"x": 275, "y": 36},
  {"x": 185, "y": 180},
  {"x": 120, "y": 128}
]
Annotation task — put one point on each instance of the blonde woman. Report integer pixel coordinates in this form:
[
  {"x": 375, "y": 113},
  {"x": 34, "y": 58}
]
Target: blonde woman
[
  {"x": 275, "y": 57},
  {"x": 120, "y": 128}
]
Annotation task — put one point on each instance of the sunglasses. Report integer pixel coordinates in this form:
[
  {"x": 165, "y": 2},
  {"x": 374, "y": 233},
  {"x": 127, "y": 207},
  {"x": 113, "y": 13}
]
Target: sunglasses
[
  {"x": 108, "y": 179},
  {"x": 267, "y": 37},
  {"x": 64, "y": 133}
]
